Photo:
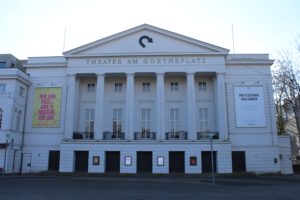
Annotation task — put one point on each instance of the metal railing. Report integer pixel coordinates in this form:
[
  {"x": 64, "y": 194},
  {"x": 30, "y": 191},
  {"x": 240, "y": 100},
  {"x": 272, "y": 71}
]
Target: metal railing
[
  {"x": 107, "y": 135},
  {"x": 144, "y": 135},
  {"x": 178, "y": 135},
  {"x": 207, "y": 135},
  {"x": 83, "y": 135}
]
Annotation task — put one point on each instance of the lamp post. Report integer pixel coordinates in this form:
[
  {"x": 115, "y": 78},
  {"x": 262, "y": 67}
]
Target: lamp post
[{"x": 211, "y": 135}]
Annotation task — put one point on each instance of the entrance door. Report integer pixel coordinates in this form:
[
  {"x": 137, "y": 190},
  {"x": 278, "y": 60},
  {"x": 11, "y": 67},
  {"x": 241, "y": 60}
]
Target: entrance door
[
  {"x": 112, "y": 161},
  {"x": 53, "y": 164},
  {"x": 176, "y": 162},
  {"x": 144, "y": 162},
  {"x": 81, "y": 161},
  {"x": 26, "y": 166},
  {"x": 238, "y": 161},
  {"x": 206, "y": 161}
]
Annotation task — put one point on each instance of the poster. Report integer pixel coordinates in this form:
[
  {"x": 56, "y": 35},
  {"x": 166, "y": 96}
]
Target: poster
[
  {"x": 46, "y": 110},
  {"x": 160, "y": 161},
  {"x": 249, "y": 106},
  {"x": 128, "y": 160}
]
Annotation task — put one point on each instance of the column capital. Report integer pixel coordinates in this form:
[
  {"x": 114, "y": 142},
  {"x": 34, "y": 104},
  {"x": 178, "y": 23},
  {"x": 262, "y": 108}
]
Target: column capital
[
  {"x": 130, "y": 74},
  {"x": 100, "y": 74},
  {"x": 190, "y": 73},
  {"x": 159, "y": 73}
]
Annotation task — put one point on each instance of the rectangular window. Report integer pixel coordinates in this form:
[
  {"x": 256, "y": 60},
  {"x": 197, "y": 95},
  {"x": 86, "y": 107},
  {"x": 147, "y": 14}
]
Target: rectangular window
[
  {"x": 146, "y": 87},
  {"x": 117, "y": 123},
  {"x": 202, "y": 86},
  {"x": 21, "y": 91},
  {"x": 89, "y": 120},
  {"x": 1, "y": 116},
  {"x": 18, "y": 121},
  {"x": 174, "y": 86},
  {"x": 2, "y": 64},
  {"x": 91, "y": 87},
  {"x": 118, "y": 87},
  {"x": 174, "y": 122},
  {"x": 203, "y": 117},
  {"x": 2, "y": 87},
  {"x": 146, "y": 121}
]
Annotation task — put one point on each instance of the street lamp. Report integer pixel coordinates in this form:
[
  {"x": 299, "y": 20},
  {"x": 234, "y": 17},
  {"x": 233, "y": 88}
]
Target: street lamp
[{"x": 211, "y": 135}]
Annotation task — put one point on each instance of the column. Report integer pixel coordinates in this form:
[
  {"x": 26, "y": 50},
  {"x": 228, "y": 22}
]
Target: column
[
  {"x": 160, "y": 106},
  {"x": 191, "y": 107},
  {"x": 129, "y": 112},
  {"x": 221, "y": 105},
  {"x": 99, "y": 107},
  {"x": 70, "y": 107}
]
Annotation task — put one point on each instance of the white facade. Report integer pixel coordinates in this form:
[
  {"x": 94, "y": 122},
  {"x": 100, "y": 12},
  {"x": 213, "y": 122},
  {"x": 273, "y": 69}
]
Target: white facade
[
  {"x": 14, "y": 85},
  {"x": 146, "y": 100}
]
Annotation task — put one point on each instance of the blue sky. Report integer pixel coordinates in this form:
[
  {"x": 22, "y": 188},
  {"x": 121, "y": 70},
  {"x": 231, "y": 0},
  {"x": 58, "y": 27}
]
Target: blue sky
[{"x": 36, "y": 27}]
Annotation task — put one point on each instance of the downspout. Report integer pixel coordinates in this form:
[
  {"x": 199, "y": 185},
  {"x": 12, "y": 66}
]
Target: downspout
[{"x": 23, "y": 131}]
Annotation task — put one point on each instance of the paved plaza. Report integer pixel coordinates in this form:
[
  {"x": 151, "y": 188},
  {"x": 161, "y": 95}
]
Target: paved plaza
[{"x": 151, "y": 187}]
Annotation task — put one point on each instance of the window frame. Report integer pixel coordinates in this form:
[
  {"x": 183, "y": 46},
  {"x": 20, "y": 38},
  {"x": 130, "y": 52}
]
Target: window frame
[
  {"x": 91, "y": 87},
  {"x": 204, "y": 119},
  {"x": 2, "y": 88},
  {"x": 202, "y": 86},
  {"x": 21, "y": 91},
  {"x": 146, "y": 86},
  {"x": 174, "y": 122},
  {"x": 89, "y": 123},
  {"x": 174, "y": 86},
  {"x": 117, "y": 123},
  {"x": 145, "y": 122},
  {"x": 1, "y": 117},
  {"x": 118, "y": 87},
  {"x": 18, "y": 120}
]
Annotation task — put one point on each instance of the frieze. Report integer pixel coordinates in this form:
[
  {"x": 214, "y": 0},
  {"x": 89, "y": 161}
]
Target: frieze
[{"x": 147, "y": 61}]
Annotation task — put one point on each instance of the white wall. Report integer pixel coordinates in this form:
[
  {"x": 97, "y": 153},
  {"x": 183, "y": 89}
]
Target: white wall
[
  {"x": 240, "y": 75},
  {"x": 158, "y": 149},
  {"x": 285, "y": 154}
]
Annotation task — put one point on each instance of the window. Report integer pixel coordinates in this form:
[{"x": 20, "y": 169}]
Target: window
[
  {"x": 2, "y": 87},
  {"x": 1, "y": 115},
  {"x": 21, "y": 91},
  {"x": 89, "y": 120},
  {"x": 91, "y": 87},
  {"x": 2, "y": 64},
  {"x": 117, "y": 123},
  {"x": 146, "y": 123},
  {"x": 18, "y": 121},
  {"x": 118, "y": 87},
  {"x": 203, "y": 116},
  {"x": 174, "y": 122},
  {"x": 202, "y": 86},
  {"x": 174, "y": 86},
  {"x": 146, "y": 87}
]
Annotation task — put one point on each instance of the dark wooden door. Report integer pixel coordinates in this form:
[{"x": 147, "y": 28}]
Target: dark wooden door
[
  {"x": 81, "y": 161},
  {"x": 112, "y": 161},
  {"x": 176, "y": 162},
  {"x": 238, "y": 161},
  {"x": 144, "y": 162},
  {"x": 53, "y": 164},
  {"x": 206, "y": 161}
]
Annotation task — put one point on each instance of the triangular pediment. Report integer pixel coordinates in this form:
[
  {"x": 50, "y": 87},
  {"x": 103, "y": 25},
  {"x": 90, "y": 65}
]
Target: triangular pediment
[{"x": 145, "y": 40}]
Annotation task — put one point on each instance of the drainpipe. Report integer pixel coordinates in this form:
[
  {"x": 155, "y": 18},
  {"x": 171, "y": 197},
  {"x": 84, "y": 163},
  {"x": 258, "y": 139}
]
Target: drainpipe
[{"x": 23, "y": 131}]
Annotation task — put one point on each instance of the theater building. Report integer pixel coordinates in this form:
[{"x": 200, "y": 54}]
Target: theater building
[{"x": 148, "y": 100}]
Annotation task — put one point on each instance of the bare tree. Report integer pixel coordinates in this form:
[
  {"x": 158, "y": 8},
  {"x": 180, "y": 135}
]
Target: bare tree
[
  {"x": 278, "y": 88},
  {"x": 286, "y": 84}
]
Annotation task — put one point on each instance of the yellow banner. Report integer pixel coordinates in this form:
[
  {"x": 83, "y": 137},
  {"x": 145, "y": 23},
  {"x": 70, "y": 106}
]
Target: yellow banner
[{"x": 47, "y": 103}]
